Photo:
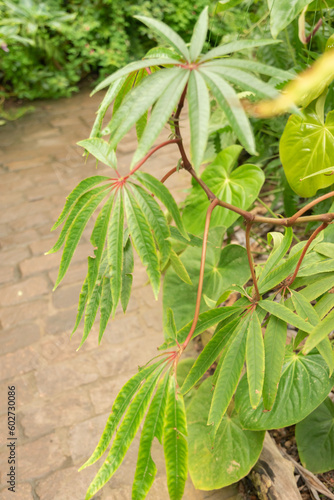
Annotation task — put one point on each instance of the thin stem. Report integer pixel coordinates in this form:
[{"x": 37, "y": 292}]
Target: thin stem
[
  {"x": 213, "y": 204},
  {"x": 311, "y": 238},
  {"x": 310, "y": 205},
  {"x": 176, "y": 119},
  {"x": 150, "y": 153},
  {"x": 250, "y": 261},
  {"x": 169, "y": 173}
]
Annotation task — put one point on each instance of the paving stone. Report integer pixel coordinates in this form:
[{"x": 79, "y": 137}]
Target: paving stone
[
  {"x": 92, "y": 429},
  {"x": 22, "y": 491},
  {"x": 29, "y": 222},
  {"x": 32, "y": 163},
  {"x": 103, "y": 393},
  {"x": 20, "y": 313},
  {"x": 61, "y": 322},
  {"x": 66, "y": 296},
  {"x": 23, "y": 291},
  {"x": 20, "y": 336},
  {"x": 75, "y": 274},
  {"x": 14, "y": 255},
  {"x": 21, "y": 238},
  {"x": 7, "y": 274},
  {"x": 39, "y": 264},
  {"x": 18, "y": 362}
]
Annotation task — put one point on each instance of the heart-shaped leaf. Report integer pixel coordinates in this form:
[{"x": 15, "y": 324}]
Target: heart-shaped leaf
[
  {"x": 239, "y": 187},
  {"x": 233, "y": 453}
]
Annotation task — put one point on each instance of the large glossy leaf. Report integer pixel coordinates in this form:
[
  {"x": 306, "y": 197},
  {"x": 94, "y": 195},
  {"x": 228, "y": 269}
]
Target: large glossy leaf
[
  {"x": 222, "y": 269},
  {"x": 143, "y": 240},
  {"x": 161, "y": 112},
  {"x": 233, "y": 453},
  {"x": 209, "y": 355},
  {"x": 167, "y": 34},
  {"x": 115, "y": 248},
  {"x": 229, "y": 374},
  {"x": 121, "y": 403},
  {"x": 228, "y": 48},
  {"x": 101, "y": 150},
  {"x": 307, "y": 146},
  {"x": 255, "y": 360},
  {"x": 175, "y": 442},
  {"x": 228, "y": 100},
  {"x": 239, "y": 187},
  {"x": 199, "y": 115},
  {"x": 199, "y": 35},
  {"x": 153, "y": 427},
  {"x": 320, "y": 332},
  {"x": 304, "y": 384},
  {"x": 274, "y": 348},
  {"x": 315, "y": 438},
  {"x": 283, "y": 12},
  {"x": 163, "y": 194},
  {"x": 125, "y": 434}
]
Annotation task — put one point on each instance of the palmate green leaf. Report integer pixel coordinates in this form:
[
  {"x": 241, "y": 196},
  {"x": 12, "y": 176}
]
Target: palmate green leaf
[
  {"x": 199, "y": 35},
  {"x": 243, "y": 79},
  {"x": 283, "y": 313},
  {"x": 75, "y": 231},
  {"x": 106, "y": 305},
  {"x": 77, "y": 192},
  {"x": 209, "y": 355},
  {"x": 296, "y": 396},
  {"x": 228, "y": 48},
  {"x": 115, "y": 248},
  {"x": 111, "y": 94},
  {"x": 129, "y": 82},
  {"x": 101, "y": 150},
  {"x": 167, "y": 34},
  {"x": 137, "y": 102},
  {"x": 282, "y": 13},
  {"x": 228, "y": 100},
  {"x": 125, "y": 434},
  {"x": 134, "y": 66},
  {"x": 121, "y": 403},
  {"x": 274, "y": 349},
  {"x": 320, "y": 286},
  {"x": 256, "y": 67},
  {"x": 161, "y": 112},
  {"x": 170, "y": 326},
  {"x": 92, "y": 306},
  {"x": 175, "y": 442},
  {"x": 143, "y": 240},
  {"x": 163, "y": 194},
  {"x": 279, "y": 273},
  {"x": 255, "y": 360},
  {"x": 193, "y": 241},
  {"x": 98, "y": 239},
  {"x": 179, "y": 268},
  {"x": 229, "y": 374},
  {"x": 127, "y": 278},
  {"x": 277, "y": 255},
  {"x": 315, "y": 438},
  {"x": 153, "y": 427},
  {"x": 199, "y": 116},
  {"x": 233, "y": 453},
  {"x": 82, "y": 304},
  {"x": 319, "y": 332},
  {"x": 156, "y": 220}
]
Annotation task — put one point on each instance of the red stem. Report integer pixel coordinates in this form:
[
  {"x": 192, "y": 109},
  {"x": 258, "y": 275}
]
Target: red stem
[
  {"x": 169, "y": 173},
  {"x": 313, "y": 32},
  {"x": 213, "y": 204},
  {"x": 310, "y": 205},
  {"x": 150, "y": 153},
  {"x": 250, "y": 261}
]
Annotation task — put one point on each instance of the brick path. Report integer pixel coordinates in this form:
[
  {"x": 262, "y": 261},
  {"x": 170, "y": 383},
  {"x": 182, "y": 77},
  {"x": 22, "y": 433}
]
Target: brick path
[{"x": 64, "y": 396}]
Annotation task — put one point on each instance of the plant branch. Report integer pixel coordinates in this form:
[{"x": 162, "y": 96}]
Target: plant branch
[
  {"x": 169, "y": 173},
  {"x": 213, "y": 204},
  {"x": 176, "y": 119},
  {"x": 250, "y": 261},
  {"x": 310, "y": 205},
  {"x": 150, "y": 153}
]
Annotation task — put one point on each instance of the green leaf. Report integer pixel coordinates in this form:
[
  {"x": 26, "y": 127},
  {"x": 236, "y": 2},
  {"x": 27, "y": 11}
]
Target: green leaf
[
  {"x": 315, "y": 439},
  {"x": 325, "y": 266},
  {"x": 91, "y": 311},
  {"x": 279, "y": 273},
  {"x": 255, "y": 360},
  {"x": 192, "y": 240},
  {"x": 153, "y": 427},
  {"x": 115, "y": 248},
  {"x": 101, "y": 150},
  {"x": 105, "y": 306},
  {"x": 228, "y": 48},
  {"x": 223, "y": 268},
  {"x": 239, "y": 187},
  {"x": 112, "y": 92},
  {"x": 234, "y": 452},
  {"x": 175, "y": 442},
  {"x": 250, "y": 65},
  {"x": 227, "y": 4},
  {"x": 274, "y": 348},
  {"x": 134, "y": 66},
  {"x": 320, "y": 286},
  {"x": 303, "y": 386},
  {"x": 179, "y": 268},
  {"x": 77, "y": 192},
  {"x": 156, "y": 220},
  {"x": 125, "y": 434},
  {"x": 244, "y": 80},
  {"x": 143, "y": 240},
  {"x": 325, "y": 304},
  {"x": 319, "y": 332},
  {"x": 127, "y": 278},
  {"x": 283, "y": 313},
  {"x": 199, "y": 116},
  {"x": 162, "y": 111},
  {"x": 75, "y": 231},
  {"x": 307, "y": 146},
  {"x": 282, "y": 13},
  {"x": 277, "y": 255},
  {"x": 209, "y": 355},
  {"x": 229, "y": 374},
  {"x": 199, "y": 35},
  {"x": 325, "y": 248},
  {"x": 170, "y": 327},
  {"x": 82, "y": 304},
  {"x": 167, "y": 34},
  {"x": 228, "y": 100},
  {"x": 163, "y": 194},
  {"x": 131, "y": 81}
]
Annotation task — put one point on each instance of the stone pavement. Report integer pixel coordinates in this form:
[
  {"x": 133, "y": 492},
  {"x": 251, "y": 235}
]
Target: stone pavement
[{"x": 63, "y": 397}]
